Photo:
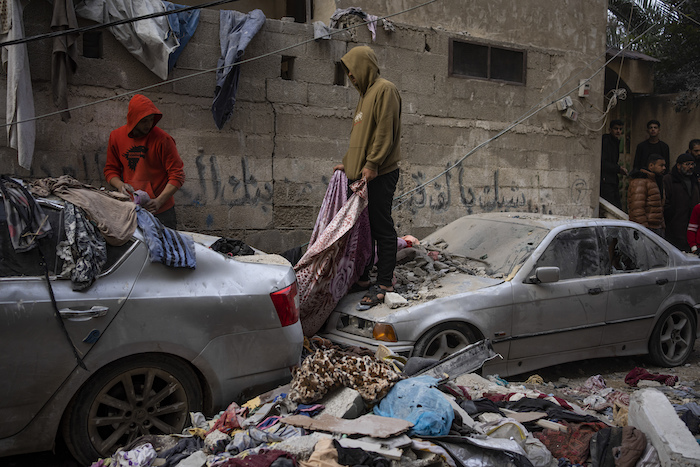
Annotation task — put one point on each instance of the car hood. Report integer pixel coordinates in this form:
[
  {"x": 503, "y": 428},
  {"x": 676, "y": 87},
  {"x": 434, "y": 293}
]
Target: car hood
[{"x": 451, "y": 284}]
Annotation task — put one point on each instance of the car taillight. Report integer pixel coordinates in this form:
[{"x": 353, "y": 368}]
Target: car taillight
[{"x": 286, "y": 303}]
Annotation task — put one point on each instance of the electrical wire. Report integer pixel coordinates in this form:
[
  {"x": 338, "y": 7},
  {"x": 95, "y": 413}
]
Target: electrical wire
[
  {"x": 531, "y": 112},
  {"x": 192, "y": 75},
  {"x": 65, "y": 32}
]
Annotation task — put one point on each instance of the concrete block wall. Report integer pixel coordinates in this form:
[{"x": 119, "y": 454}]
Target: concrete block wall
[{"x": 262, "y": 178}]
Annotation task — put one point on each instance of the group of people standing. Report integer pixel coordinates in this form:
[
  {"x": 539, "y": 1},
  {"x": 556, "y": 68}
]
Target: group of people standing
[{"x": 661, "y": 197}]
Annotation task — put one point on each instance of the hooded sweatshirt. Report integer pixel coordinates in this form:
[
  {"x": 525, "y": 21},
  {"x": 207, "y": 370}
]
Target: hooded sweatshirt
[
  {"x": 147, "y": 163},
  {"x": 376, "y": 129}
]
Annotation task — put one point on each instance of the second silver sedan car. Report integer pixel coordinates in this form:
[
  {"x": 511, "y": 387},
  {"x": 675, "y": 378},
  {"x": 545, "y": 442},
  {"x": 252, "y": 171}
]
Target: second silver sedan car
[
  {"x": 555, "y": 290},
  {"x": 156, "y": 342}
]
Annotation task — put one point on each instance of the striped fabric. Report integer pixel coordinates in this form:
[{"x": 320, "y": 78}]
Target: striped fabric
[{"x": 165, "y": 245}]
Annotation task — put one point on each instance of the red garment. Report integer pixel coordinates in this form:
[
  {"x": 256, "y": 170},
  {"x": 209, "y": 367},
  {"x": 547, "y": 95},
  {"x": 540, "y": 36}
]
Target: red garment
[
  {"x": 693, "y": 224},
  {"x": 637, "y": 374},
  {"x": 233, "y": 417},
  {"x": 148, "y": 163},
  {"x": 264, "y": 458},
  {"x": 573, "y": 444}
]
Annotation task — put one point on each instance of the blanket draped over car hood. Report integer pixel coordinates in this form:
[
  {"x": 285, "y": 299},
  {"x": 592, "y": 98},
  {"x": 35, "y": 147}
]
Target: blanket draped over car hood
[{"x": 339, "y": 249}]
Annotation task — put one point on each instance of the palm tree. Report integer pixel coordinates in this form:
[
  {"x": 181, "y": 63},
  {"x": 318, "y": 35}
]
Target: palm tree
[{"x": 639, "y": 24}]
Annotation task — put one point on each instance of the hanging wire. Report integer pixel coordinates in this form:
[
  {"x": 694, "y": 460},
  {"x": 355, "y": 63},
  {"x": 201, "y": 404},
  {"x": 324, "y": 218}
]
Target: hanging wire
[
  {"x": 533, "y": 111},
  {"x": 210, "y": 70}
]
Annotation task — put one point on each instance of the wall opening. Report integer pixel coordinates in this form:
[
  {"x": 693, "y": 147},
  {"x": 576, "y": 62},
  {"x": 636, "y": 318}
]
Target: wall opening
[
  {"x": 287, "y": 68},
  {"x": 339, "y": 79},
  {"x": 483, "y": 61},
  {"x": 300, "y": 10},
  {"x": 92, "y": 44}
]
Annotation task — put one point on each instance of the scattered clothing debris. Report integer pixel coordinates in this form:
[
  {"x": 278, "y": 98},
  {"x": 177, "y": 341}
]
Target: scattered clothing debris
[{"x": 637, "y": 374}]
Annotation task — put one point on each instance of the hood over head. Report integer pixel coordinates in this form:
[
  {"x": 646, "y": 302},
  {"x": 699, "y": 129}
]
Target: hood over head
[
  {"x": 141, "y": 106},
  {"x": 362, "y": 62}
]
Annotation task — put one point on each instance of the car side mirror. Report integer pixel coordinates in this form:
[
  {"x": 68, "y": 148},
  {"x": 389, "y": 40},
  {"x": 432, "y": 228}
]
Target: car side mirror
[{"x": 544, "y": 275}]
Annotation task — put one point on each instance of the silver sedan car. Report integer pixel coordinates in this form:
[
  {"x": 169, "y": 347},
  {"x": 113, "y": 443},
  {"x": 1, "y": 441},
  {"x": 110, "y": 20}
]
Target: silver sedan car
[
  {"x": 555, "y": 290},
  {"x": 157, "y": 343}
]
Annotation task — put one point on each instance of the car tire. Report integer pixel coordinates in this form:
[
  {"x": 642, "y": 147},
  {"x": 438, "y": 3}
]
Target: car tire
[
  {"x": 444, "y": 340},
  {"x": 112, "y": 410},
  {"x": 673, "y": 337}
]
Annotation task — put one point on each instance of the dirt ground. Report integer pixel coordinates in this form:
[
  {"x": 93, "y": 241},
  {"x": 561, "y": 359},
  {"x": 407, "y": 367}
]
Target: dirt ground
[{"x": 613, "y": 370}]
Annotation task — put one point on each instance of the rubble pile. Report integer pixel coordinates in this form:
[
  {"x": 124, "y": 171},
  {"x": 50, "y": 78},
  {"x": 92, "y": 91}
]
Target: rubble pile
[
  {"x": 347, "y": 406},
  {"x": 419, "y": 268}
]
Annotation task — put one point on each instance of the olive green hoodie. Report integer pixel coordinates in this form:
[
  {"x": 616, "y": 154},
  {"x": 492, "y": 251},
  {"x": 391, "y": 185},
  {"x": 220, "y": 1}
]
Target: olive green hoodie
[{"x": 376, "y": 130}]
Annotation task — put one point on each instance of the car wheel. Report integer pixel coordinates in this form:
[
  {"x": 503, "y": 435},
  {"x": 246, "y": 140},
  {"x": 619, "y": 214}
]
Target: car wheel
[
  {"x": 673, "y": 338},
  {"x": 140, "y": 396},
  {"x": 444, "y": 340}
]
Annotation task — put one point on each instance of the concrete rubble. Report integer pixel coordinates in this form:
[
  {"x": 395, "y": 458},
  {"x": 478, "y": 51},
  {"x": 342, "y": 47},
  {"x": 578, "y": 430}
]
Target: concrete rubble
[{"x": 484, "y": 421}]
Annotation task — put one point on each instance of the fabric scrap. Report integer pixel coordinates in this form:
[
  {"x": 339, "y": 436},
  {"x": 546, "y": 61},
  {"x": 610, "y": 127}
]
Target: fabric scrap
[
  {"x": 149, "y": 40},
  {"x": 113, "y": 214},
  {"x": 573, "y": 444},
  {"x": 84, "y": 252},
  {"x": 65, "y": 53},
  {"x": 26, "y": 221},
  {"x": 637, "y": 374},
  {"x": 165, "y": 245},
  {"x": 141, "y": 456},
  {"x": 19, "y": 99},
  {"x": 339, "y": 250},
  {"x": 236, "y": 30},
  {"x": 326, "y": 370},
  {"x": 183, "y": 25}
]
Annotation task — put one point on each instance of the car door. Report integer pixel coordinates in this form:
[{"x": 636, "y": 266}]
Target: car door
[
  {"x": 640, "y": 278},
  {"x": 567, "y": 315},
  {"x": 37, "y": 353}
]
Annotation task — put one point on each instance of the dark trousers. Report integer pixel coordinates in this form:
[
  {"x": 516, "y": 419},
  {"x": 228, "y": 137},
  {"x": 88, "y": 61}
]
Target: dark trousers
[
  {"x": 168, "y": 218},
  {"x": 611, "y": 193},
  {"x": 381, "y": 196}
]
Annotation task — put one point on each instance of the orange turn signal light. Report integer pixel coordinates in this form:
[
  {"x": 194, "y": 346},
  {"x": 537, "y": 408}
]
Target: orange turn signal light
[{"x": 384, "y": 332}]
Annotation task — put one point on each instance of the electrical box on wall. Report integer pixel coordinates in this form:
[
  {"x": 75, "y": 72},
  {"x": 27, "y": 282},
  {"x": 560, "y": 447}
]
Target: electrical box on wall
[
  {"x": 564, "y": 103},
  {"x": 571, "y": 114},
  {"x": 584, "y": 88}
]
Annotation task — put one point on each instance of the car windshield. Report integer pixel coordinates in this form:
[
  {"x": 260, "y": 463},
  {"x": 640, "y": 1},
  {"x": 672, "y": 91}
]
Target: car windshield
[{"x": 499, "y": 245}]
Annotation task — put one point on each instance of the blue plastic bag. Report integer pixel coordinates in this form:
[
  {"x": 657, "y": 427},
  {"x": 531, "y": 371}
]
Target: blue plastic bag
[{"x": 418, "y": 401}]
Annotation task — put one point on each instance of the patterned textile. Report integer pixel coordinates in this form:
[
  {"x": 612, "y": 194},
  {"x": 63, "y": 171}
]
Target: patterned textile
[
  {"x": 637, "y": 374},
  {"x": 327, "y": 369},
  {"x": 339, "y": 249},
  {"x": 26, "y": 221},
  {"x": 573, "y": 444},
  {"x": 5, "y": 16},
  {"x": 84, "y": 251},
  {"x": 165, "y": 245}
]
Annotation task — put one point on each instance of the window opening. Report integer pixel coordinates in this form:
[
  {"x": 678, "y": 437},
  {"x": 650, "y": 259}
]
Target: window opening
[
  {"x": 339, "y": 79},
  {"x": 287, "y": 69},
  {"x": 482, "y": 61},
  {"x": 92, "y": 44}
]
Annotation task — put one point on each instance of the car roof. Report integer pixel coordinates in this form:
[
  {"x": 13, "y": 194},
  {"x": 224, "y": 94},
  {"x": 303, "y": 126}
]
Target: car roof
[{"x": 547, "y": 221}]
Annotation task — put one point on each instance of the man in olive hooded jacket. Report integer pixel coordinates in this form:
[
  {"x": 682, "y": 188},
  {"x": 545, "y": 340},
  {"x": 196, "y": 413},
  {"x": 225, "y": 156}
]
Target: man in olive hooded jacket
[{"x": 373, "y": 154}]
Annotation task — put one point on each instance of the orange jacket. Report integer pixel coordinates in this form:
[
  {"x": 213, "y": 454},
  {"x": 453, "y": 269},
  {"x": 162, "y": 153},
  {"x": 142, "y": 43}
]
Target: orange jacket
[
  {"x": 645, "y": 201},
  {"x": 148, "y": 163}
]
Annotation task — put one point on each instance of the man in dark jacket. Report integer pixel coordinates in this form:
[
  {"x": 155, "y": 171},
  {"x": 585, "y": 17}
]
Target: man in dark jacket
[
  {"x": 682, "y": 194},
  {"x": 609, "y": 166},
  {"x": 651, "y": 145}
]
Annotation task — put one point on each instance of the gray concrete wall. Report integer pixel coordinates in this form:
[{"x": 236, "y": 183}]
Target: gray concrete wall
[{"x": 262, "y": 177}]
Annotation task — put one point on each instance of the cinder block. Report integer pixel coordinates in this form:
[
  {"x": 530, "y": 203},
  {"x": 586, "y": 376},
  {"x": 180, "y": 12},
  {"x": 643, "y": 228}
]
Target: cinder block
[
  {"x": 287, "y": 91},
  {"x": 343, "y": 403},
  {"x": 652, "y": 413}
]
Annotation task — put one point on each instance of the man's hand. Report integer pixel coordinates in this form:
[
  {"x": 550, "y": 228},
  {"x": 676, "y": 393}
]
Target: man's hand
[
  {"x": 153, "y": 205},
  {"x": 623, "y": 171},
  {"x": 339, "y": 167},
  {"x": 369, "y": 174},
  {"x": 126, "y": 189}
]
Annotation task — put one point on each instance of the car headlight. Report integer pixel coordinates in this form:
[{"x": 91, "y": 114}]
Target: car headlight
[
  {"x": 366, "y": 328},
  {"x": 384, "y": 332}
]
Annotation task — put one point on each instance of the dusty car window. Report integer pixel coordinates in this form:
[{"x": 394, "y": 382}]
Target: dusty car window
[
  {"x": 498, "y": 245},
  {"x": 632, "y": 251},
  {"x": 575, "y": 252}
]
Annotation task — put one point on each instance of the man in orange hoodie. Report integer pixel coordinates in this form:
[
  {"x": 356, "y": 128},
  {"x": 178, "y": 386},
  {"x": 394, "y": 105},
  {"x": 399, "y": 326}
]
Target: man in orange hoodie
[{"x": 141, "y": 156}]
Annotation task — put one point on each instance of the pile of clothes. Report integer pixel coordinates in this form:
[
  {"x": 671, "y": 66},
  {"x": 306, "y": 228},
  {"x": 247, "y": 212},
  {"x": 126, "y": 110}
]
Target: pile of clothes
[{"x": 347, "y": 406}]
